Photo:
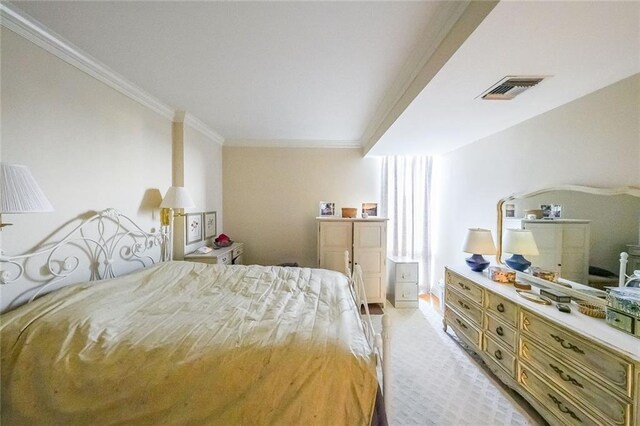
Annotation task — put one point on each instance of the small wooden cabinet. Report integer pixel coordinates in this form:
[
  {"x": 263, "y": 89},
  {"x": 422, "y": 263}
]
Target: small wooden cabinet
[
  {"x": 232, "y": 255},
  {"x": 574, "y": 369},
  {"x": 402, "y": 282},
  {"x": 366, "y": 242}
]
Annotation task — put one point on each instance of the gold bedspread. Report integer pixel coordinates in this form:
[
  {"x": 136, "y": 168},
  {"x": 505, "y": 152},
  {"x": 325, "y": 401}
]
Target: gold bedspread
[{"x": 189, "y": 343}]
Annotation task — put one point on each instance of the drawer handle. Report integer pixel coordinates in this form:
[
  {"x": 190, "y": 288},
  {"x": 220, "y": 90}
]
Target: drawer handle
[
  {"x": 500, "y": 331},
  {"x": 567, "y": 345},
  {"x": 463, "y": 325},
  {"x": 463, "y": 286},
  {"x": 464, "y": 305},
  {"x": 566, "y": 377},
  {"x": 500, "y": 307},
  {"x": 564, "y": 409},
  {"x": 498, "y": 354}
]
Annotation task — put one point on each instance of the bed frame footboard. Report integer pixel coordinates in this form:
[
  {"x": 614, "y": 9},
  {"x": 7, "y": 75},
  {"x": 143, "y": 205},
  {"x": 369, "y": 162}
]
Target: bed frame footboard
[{"x": 380, "y": 342}]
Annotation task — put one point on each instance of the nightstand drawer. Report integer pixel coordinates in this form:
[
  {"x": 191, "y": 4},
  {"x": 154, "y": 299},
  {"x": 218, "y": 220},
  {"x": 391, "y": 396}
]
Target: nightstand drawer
[
  {"x": 238, "y": 251},
  {"x": 225, "y": 259},
  {"x": 407, "y": 272},
  {"x": 465, "y": 286},
  {"x": 406, "y": 291}
]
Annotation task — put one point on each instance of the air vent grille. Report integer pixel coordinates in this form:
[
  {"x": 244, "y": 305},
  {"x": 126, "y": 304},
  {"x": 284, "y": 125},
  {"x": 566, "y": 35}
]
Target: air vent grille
[{"x": 510, "y": 87}]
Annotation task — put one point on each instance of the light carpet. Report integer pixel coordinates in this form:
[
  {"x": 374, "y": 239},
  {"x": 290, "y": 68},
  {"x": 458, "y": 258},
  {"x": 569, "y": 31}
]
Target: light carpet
[{"x": 436, "y": 382}]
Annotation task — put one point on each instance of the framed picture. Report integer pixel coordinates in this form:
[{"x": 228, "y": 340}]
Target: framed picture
[
  {"x": 193, "y": 225},
  {"x": 210, "y": 225},
  {"x": 369, "y": 209},
  {"x": 327, "y": 209},
  {"x": 551, "y": 211}
]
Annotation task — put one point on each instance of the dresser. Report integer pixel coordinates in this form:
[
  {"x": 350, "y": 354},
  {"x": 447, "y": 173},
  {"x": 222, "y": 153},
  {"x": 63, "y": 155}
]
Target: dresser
[
  {"x": 232, "y": 255},
  {"x": 574, "y": 369},
  {"x": 366, "y": 242},
  {"x": 563, "y": 245},
  {"x": 402, "y": 282}
]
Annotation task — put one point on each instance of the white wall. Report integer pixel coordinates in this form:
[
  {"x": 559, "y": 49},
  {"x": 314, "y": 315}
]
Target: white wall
[
  {"x": 89, "y": 147},
  {"x": 594, "y": 141},
  {"x": 271, "y": 197}
]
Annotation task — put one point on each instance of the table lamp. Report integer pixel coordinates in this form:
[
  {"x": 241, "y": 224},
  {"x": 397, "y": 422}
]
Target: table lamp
[
  {"x": 19, "y": 192},
  {"x": 519, "y": 242},
  {"x": 478, "y": 242}
]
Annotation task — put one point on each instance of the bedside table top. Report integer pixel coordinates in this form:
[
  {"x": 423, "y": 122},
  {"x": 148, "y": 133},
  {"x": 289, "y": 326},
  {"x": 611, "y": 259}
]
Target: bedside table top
[{"x": 213, "y": 253}]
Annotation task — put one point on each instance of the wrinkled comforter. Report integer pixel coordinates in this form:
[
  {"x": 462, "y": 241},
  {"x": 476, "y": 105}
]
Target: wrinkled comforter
[{"x": 189, "y": 343}]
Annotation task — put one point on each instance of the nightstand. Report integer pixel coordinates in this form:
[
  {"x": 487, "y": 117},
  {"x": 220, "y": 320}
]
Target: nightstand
[
  {"x": 402, "y": 290},
  {"x": 231, "y": 255}
]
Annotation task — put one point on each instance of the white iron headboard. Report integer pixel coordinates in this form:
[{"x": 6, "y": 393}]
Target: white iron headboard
[{"x": 103, "y": 246}]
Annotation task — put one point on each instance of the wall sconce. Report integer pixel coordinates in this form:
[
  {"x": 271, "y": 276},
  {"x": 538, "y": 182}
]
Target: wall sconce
[
  {"x": 478, "y": 242},
  {"x": 19, "y": 192},
  {"x": 176, "y": 197},
  {"x": 519, "y": 242}
]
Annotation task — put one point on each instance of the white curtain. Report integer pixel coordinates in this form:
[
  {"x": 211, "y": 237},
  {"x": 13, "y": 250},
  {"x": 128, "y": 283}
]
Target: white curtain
[{"x": 405, "y": 200}]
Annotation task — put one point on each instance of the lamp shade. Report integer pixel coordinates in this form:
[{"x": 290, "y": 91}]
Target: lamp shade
[
  {"x": 20, "y": 193},
  {"x": 479, "y": 241},
  {"x": 177, "y": 197},
  {"x": 520, "y": 241}
]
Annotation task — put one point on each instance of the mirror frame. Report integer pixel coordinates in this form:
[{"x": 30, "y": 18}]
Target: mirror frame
[{"x": 624, "y": 190}]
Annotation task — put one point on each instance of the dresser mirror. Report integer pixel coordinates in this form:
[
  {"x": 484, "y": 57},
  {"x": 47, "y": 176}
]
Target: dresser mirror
[{"x": 584, "y": 241}]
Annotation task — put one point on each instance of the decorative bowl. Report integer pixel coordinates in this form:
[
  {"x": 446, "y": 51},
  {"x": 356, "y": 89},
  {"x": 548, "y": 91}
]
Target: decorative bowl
[
  {"x": 591, "y": 310},
  {"x": 222, "y": 244}
]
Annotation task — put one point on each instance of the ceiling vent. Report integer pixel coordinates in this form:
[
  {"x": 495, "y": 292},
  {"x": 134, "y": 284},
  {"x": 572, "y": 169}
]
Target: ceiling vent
[{"x": 510, "y": 87}]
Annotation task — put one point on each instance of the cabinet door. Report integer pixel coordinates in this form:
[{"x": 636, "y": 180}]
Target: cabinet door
[
  {"x": 334, "y": 238},
  {"x": 575, "y": 252},
  {"x": 548, "y": 238},
  {"x": 369, "y": 251}
]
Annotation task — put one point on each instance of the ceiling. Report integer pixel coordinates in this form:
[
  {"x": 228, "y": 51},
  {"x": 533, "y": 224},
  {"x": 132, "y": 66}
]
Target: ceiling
[{"x": 326, "y": 73}]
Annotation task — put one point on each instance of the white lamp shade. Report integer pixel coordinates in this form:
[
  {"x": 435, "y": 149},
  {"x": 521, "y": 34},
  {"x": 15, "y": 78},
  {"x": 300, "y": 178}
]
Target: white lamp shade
[
  {"x": 520, "y": 241},
  {"x": 479, "y": 241},
  {"x": 177, "y": 197},
  {"x": 20, "y": 191}
]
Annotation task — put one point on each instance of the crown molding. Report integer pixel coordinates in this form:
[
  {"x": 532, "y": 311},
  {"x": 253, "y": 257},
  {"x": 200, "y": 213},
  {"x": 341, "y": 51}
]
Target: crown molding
[
  {"x": 195, "y": 123},
  {"x": 291, "y": 143},
  {"x": 14, "y": 19}
]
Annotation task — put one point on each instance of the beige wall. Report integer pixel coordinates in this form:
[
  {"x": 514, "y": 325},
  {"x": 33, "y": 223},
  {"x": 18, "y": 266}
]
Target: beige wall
[
  {"x": 271, "y": 197},
  {"x": 89, "y": 147},
  {"x": 594, "y": 140}
]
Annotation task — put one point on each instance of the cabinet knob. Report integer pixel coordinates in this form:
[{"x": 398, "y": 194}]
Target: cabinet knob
[
  {"x": 499, "y": 331},
  {"x": 500, "y": 307}
]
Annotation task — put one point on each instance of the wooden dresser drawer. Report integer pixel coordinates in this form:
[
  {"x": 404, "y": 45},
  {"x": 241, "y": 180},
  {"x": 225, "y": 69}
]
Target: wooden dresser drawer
[
  {"x": 225, "y": 259},
  {"x": 237, "y": 251},
  {"x": 502, "y": 308},
  {"x": 614, "y": 409},
  {"x": 500, "y": 331},
  {"x": 462, "y": 326},
  {"x": 590, "y": 358},
  {"x": 554, "y": 401},
  {"x": 464, "y": 306},
  {"x": 504, "y": 357},
  {"x": 465, "y": 286}
]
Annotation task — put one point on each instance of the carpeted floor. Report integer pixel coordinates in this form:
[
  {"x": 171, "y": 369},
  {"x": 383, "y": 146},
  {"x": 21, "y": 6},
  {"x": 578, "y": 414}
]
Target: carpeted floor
[{"x": 436, "y": 382}]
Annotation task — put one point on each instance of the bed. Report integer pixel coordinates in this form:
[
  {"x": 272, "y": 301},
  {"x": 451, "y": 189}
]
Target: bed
[{"x": 190, "y": 343}]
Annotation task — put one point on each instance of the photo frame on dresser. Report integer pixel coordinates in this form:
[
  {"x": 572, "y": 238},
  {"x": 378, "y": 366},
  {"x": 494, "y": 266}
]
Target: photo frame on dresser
[
  {"x": 210, "y": 225},
  {"x": 193, "y": 227}
]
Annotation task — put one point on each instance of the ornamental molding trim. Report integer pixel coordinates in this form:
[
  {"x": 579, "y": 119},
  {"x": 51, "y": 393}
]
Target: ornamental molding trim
[{"x": 14, "y": 19}]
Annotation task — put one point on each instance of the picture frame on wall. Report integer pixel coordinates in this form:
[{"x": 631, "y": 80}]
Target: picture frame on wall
[
  {"x": 193, "y": 224},
  {"x": 327, "y": 208},
  {"x": 210, "y": 225},
  {"x": 369, "y": 209}
]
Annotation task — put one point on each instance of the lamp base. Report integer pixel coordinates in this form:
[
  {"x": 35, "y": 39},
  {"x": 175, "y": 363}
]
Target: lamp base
[
  {"x": 477, "y": 263},
  {"x": 518, "y": 263}
]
